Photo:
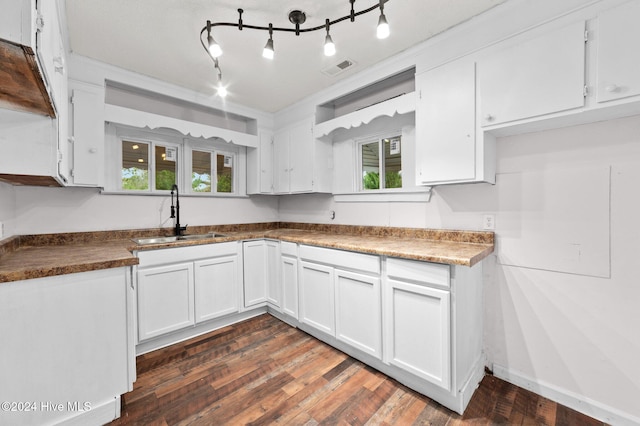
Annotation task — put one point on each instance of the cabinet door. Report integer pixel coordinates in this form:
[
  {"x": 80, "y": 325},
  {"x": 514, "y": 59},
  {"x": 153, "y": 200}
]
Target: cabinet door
[
  {"x": 281, "y": 161},
  {"x": 88, "y": 135},
  {"x": 301, "y": 158},
  {"x": 539, "y": 76},
  {"x": 274, "y": 286},
  {"x": 358, "y": 311},
  {"x": 289, "y": 274},
  {"x": 266, "y": 162},
  {"x": 317, "y": 293},
  {"x": 618, "y": 57},
  {"x": 255, "y": 273},
  {"x": 165, "y": 299},
  {"x": 216, "y": 287},
  {"x": 445, "y": 124},
  {"x": 418, "y": 334}
]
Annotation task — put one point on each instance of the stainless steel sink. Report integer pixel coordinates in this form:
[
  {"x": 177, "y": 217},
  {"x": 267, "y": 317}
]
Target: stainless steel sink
[{"x": 164, "y": 240}]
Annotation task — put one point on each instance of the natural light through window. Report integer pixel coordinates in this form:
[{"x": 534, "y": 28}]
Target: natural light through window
[{"x": 381, "y": 164}]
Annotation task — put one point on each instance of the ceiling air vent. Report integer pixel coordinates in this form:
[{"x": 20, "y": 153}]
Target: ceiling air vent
[{"x": 336, "y": 69}]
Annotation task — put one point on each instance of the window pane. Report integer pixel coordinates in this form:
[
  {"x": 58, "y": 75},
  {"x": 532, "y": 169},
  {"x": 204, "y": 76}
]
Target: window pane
[
  {"x": 392, "y": 163},
  {"x": 225, "y": 172},
  {"x": 165, "y": 167},
  {"x": 135, "y": 166},
  {"x": 370, "y": 160},
  {"x": 201, "y": 171}
]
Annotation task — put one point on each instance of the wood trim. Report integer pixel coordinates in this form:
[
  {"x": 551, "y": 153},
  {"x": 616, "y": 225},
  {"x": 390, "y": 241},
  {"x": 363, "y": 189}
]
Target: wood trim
[{"x": 29, "y": 180}]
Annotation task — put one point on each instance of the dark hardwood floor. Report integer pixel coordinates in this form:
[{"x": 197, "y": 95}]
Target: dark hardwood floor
[{"x": 262, "y": 371}]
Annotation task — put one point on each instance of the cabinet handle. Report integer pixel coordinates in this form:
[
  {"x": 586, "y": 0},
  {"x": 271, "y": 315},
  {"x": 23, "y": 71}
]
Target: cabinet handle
[
  {"x": 58, "y": 64},
  {"x": 489, "y": 117},
  {"x": 93, "y": 150},
  {"x": 612, "y": 88}
]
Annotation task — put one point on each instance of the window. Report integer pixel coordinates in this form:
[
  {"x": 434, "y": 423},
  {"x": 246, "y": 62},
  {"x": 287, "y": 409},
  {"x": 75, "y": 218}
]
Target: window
[
  {"x": 205, "y": 164},
  {"x": 138, "y": 175},
  {"x": 381, "y": 164}
]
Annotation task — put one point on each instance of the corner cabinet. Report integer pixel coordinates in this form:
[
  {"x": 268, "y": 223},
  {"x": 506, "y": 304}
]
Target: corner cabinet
[
  {"x": 261, "y": 273},
  {"x": 449, "y": 148},
  {"x": 300, "y": 161}
]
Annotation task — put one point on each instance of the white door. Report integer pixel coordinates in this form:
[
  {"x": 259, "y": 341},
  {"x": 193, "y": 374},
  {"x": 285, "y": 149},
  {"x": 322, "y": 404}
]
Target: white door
[
  {"x": 317, "y": 304},
  {"x": 216, "y": 287},
  {"x": 289, "y": 277},
  {"x": 419, "y": 328},
  {"x": 359, "y": 311},
  {"x": 274, "y": 285},
  {"x": 445, "y": 123},
  {"x": 618, "y": 56},
  {"x": 536, "y": 77},
  {"x": 301, "y": 157},
  {"x": 165, "y": 299},
  {"x": 255, "y": 272},
  {"x": 281, "y": 162}
]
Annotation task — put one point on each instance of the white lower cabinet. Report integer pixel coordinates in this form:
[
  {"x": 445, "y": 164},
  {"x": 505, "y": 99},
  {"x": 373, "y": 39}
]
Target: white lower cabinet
[
  {"x": 261, "y": 273},
  {"x": 289, "y": 278},
  {"x": 216, "y": 287},
  {"x": 418, "y": 339},
  {"x": 181, "y": 287},
  {"x": 165, "y": 299},
  {"x": 358, "y": 311},
  {"x": 317, "y": 303}
]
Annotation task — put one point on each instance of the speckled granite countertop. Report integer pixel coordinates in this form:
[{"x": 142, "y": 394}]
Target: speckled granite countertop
[{"x": 36, "y": 256}]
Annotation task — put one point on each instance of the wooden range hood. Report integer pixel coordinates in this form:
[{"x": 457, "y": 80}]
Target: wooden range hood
[{"x": 21, "y": 84}]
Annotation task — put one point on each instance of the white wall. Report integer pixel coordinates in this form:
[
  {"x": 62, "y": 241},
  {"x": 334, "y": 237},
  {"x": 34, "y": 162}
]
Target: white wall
[
  {"x": 48, "y": 210},
  {"x": 7, "y": 209},
  {"x": 561, "y": 290}
]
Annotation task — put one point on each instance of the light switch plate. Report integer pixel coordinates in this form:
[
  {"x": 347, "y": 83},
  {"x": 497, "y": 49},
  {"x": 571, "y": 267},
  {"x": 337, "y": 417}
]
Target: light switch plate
[{"x": 489, "y": 222}]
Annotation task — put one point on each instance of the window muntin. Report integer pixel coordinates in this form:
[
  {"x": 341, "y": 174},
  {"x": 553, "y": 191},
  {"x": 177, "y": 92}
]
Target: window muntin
[
  {"x": 224, "y": 172},
  {"x": 135, "y": 166},
  {"x": 382, "y": 157},
  {"x": 201, "y": 171}
]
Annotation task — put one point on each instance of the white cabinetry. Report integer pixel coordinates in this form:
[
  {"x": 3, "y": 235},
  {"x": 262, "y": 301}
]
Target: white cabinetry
[
  {"x": 87, "y": 134},
  {"x": 534, "y": 77},
  {"x": 418, "y": 329},
  {"x": 289, "y": 278},
  {"x": 260, "y": 165},
  {"x": 261, "y": 273},
  {"x": 358, "y": 311},
  {"x": 317, "y": 303},
  {"x": 448, "y": 149},
  {"x": 300, "y": 161},
  {"x": 165, "y": 299},
  {"x": 67, "y": 338},
  {"x": 184, "y": 286},
  {"x": 618, "y": 56},
  {"x": 216, "y": 287}
]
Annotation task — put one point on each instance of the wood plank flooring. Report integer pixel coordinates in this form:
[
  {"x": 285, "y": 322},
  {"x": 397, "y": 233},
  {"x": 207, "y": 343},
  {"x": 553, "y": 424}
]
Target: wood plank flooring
[{"x": 262, "y": 371}]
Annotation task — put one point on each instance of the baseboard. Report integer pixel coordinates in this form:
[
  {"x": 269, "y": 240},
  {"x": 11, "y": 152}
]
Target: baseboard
[
  {"x": 567, "y": 398},
  {"x": 98, "y": 414}
]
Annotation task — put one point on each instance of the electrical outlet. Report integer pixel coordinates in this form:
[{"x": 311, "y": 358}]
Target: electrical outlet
[{"x": 489, "y": 222}]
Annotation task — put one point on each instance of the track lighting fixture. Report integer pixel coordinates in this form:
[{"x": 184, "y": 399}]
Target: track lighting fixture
[
  {"x": 297, "y": 18},
  {"x": 268, "y": 51},
  {"x": 329, "y": 47},
  {"x": 382, "y": 31}
]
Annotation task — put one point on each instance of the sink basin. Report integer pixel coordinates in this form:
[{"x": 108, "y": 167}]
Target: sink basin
[{"x": 164, "y": 240}]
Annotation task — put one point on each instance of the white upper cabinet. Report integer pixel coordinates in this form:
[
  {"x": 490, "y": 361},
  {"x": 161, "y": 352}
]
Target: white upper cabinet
[
  {"x": 538, "y": 76},
  {"x": 618, "y": 56},
  {"x": 300, "y": 161},
  {"x": 447, "y": 147}
]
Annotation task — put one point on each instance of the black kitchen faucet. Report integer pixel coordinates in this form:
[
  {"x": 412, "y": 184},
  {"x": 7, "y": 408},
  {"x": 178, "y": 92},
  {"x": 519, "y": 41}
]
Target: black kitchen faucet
[{"x": 175, "y": 211}]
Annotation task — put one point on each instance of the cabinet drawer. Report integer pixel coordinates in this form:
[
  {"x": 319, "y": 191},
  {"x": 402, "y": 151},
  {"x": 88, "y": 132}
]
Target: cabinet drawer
[
  {"x": 341, "y": 259},
  {"x": 289, "y": 249},
  {"x": 181, "y": 254},
  {"x": 420, "y": 272}
]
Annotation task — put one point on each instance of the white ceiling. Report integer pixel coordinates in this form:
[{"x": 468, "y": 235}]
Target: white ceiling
[{"x": 160, "y": 38}]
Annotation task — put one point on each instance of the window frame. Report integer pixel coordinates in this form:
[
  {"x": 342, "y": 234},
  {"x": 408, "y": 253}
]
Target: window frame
[
  {"x": 214, "y": 152},
  {"x": 379, "y": 138}
]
